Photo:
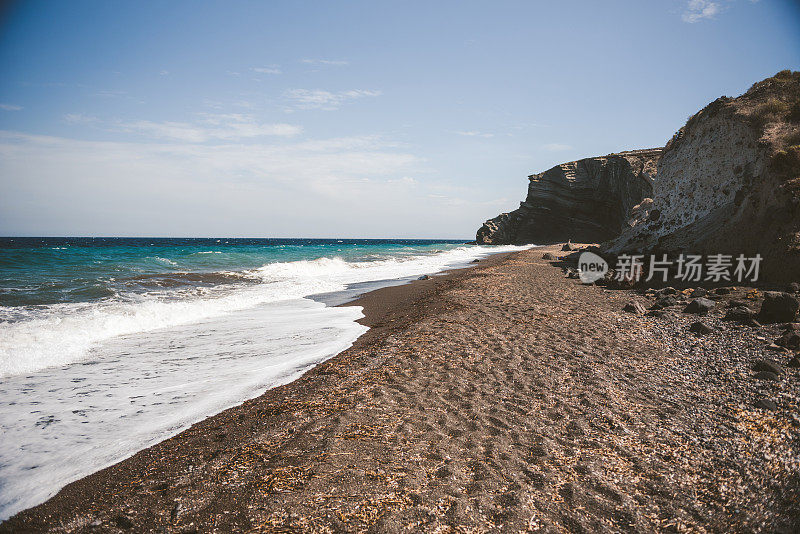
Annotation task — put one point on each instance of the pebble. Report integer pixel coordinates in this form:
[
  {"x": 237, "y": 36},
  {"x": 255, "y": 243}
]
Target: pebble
[
  {"x": 766, "y": 375},
  {"x": 768, "y": 366},
  {"x": 701, "y": 328},
  {"x": 766, "y": 404}
]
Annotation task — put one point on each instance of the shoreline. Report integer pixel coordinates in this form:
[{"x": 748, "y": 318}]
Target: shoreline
[
  {"x": 375, "y": 309},
  {"x": 501, "y": 397}
]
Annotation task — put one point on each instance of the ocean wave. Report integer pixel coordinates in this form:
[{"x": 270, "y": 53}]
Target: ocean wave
[
  {"x": 186, "y": 279},
  {"x": 166, "y": 261}
]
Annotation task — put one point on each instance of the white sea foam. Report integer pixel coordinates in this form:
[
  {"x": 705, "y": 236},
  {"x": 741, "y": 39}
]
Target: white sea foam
[{"x": 61, "y": 424}]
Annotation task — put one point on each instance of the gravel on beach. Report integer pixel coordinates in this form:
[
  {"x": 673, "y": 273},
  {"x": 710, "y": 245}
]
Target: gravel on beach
[{"x": 502, "y": 398}]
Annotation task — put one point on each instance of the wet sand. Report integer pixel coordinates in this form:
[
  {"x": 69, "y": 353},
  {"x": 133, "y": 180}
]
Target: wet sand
[{"x": 502, "y": 398}]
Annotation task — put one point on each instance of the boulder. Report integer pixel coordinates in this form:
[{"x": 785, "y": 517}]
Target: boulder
[
  {"x": 700, "y": 328},
  {"x": 778, "y": 308},
  {"x": 634, "y": 307},
  {"x": 701, "y": 306},
  {"x": 766, "y": 375},
  {"x": 740, "y": 314},
  {"x": 768, "y": 366},
  {"x": 424, "y": 277},
  {"x": 794, "y": 287},
  {"x": 664, "y": 302},
  {"x": 790, "y": 340},
  {"x": 568, "y": 247},
  {"x": 548, "y": 256},
  {"x": 766, "y": 404},
  {"x": 698, "y": 292}
]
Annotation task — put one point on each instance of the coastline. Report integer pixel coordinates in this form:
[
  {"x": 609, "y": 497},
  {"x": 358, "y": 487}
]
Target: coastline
[
  {"x": 502, "y": 396},
  {"x": 377, "y": 305}
]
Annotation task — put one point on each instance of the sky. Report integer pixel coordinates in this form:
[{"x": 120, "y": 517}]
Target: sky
[{"x": 378, "y": 119}]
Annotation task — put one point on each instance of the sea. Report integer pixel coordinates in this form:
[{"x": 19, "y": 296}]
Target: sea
[{"x": 110, "y": 345}]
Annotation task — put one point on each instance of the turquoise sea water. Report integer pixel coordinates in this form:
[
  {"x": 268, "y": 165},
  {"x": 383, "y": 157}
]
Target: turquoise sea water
[
  {"x": 109, "y": 345},
  {"x": 36, "y": 271}
]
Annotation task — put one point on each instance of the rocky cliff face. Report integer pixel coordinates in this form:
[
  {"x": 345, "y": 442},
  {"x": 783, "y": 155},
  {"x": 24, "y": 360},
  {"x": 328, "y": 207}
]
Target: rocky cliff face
[
  {"x": 729, "y": 182},
  {"x": 588, "y": 200}
]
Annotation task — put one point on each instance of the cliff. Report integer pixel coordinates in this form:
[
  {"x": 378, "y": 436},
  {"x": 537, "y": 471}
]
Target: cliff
[
  {"x": 588, "y": 200},
  {"x": 729, "y": 182}
]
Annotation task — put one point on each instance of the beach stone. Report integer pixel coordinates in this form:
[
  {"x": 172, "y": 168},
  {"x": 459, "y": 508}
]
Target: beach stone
[
  {"x": 568, "y": 246},
  {"x": 669, "y": 290},
  {"x": 723, "y": 290},
  {"x": 790, "y": 340},
  {"x": 778, "y": 308},
  {"x": 123, "y": 522},
  {"x": 699, "y": 327},
  {"x": 794, "y": 287},
  {"x": 634, "y": 307},
  {"x": 766, "y": 375},
  {"x": 794, "y": 363},
  {"x": 768, "y": 366},
  {"x": 661, "y": 314},
  {"x": 424, "y": 277},
  {"x": 176, "y": 512},
  {"x": 753, "y": 323},
  {"x": 766, "y": 404},
  {"x": 776, "y": 348},
  {"x": 791, "y": 327},
  {"x": 664, "y": 302},
  {"x": 701, "y": 306},
  {"x": 740, "y": 314},
  {"x": 548, "y": 256},
  {"x": 698, "y": 292},
  {"x": 475, "y": 261}
]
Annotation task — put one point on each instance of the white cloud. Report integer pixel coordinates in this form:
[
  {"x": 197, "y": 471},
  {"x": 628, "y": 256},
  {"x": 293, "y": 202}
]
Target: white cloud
[
  {"x": 361, "y": 186},
  {"x": 230, "y": 127},
  {"x": 271, "y": 69},
  {"x": 10, "y": 107},
  {"x": 473, "y": 133},
  {"x": 556, "y": 147},
  {"x": 325, "y": 100},
  {"x": 329, "y": 62},
  {"x": 270, "y": 189},
  {"x": 80, "y": 118},
  {"x": 697, "y": 10},
  {"x": 164, "y": 73},
  {"x": 208, "y": 127}
]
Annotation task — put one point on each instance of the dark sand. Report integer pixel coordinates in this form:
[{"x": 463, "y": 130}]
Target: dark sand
[{"x": 500, "y": 398}]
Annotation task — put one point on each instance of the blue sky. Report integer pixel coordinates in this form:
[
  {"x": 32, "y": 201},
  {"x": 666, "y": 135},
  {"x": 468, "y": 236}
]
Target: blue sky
[{"x": 345, "y": 119}]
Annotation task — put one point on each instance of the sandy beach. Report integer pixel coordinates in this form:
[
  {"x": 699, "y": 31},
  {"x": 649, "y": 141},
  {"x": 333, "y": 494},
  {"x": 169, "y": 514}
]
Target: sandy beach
[{"x": 501, "y": 398}]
